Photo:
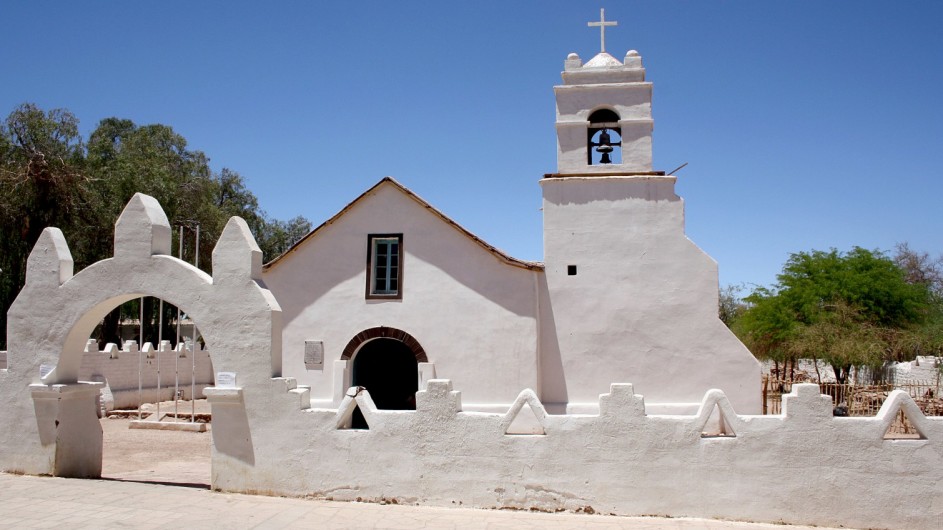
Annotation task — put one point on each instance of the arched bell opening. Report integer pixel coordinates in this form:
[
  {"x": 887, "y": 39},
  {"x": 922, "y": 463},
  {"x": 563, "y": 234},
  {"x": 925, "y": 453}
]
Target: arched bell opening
[{"x": 603, "y": 138}]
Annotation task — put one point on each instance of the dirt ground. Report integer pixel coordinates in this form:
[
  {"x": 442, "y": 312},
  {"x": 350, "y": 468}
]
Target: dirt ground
[{"x": 150, "y": 455}]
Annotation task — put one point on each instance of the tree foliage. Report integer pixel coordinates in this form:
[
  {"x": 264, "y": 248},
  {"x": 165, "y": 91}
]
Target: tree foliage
[
  {"x": 49, "y": 176},
  {"x": 730, "y": 306},
  {"x": 852, "y": 309}
]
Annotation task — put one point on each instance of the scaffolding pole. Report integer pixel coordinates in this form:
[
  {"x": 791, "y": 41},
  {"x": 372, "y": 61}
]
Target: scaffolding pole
[
  {"x": 140, "y": 357},
  {"x": 140, "y": 378},
  {"x": 196, "y": 263},
  {"x": 177, "y": 344},
  {"x": 160, "y": 336}
]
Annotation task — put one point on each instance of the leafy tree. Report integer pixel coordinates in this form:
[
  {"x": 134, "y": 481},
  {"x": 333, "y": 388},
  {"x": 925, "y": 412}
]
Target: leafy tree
[
  {"x": 279, "y": 236},
  {"x": 50, "y": 177},
  {"x": 730, "y": 305},
  {"x": 847, "y": 309},
  {"x": 920, "y": 269},
  {"x": 42, "y": 183}
]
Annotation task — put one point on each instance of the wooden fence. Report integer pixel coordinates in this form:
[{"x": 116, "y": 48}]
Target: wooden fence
[{"x": 862, "y": 400}]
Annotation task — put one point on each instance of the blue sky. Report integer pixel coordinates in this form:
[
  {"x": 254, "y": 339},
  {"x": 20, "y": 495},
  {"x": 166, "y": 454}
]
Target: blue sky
[{"x": 805, "y": 124}]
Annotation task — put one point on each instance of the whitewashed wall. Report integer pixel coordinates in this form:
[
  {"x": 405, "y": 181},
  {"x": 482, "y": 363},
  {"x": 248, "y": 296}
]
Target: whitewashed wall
[
  {"x": 804, "y": 467},
  {"x": 643, "y": 304},
  {"x": 474, "y": 315},
  {"x": 57, "y": 430},
  {"x": 121, "y": 369}
]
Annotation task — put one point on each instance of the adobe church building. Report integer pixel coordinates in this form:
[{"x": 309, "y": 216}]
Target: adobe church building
[
  {"x": 392, "y": 356},
  {"x": 390, "y": 285}
]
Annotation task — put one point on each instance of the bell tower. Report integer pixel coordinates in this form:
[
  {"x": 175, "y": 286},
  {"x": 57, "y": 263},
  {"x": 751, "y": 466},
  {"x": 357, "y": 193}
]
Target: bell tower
[
  {"x": 628, "y": 297},
  {"x": 604, "y": 114}
]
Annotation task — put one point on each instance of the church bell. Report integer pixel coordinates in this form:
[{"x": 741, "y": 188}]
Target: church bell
[{"x": 604, "y": 147}]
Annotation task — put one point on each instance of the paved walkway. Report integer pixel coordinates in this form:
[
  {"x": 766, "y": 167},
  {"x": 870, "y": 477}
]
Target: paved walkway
[{"x": 47, "y": 502}]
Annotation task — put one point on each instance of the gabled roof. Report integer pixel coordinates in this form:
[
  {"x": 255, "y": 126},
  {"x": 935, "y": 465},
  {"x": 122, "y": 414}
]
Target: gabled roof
[{"x": 531, "y": 265}]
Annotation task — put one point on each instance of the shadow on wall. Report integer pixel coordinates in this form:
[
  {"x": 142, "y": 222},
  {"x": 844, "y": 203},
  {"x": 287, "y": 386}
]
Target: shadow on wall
[
  {"x": 649, "y": 189},
  {"x": 553, "y": 389},
  {"x": 231, "y": 433}
]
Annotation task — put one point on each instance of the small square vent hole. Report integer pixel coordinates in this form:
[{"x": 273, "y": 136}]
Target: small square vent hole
[{"x": 571, "y": 270}]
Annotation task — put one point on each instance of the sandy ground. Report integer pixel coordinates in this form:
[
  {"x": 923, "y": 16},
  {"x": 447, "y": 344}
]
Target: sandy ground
[{"x": 176, "y": 457}]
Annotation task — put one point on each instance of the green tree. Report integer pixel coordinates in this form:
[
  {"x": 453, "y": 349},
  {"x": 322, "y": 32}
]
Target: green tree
[
  {"x": 730, "y": 304},
  {"x": 846, "y": 309},
  {"x": 278, "y": 236},
  {"x": 50, "y": 177},
  {"x": 921, "y": 269},
  {"x": 42, "y": 183}
]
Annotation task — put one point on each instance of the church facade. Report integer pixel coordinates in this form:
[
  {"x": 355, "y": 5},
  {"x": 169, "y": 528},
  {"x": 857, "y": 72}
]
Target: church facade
[
  {"x": 390, "y": 292},
  {"x": 392, "y": 356}
]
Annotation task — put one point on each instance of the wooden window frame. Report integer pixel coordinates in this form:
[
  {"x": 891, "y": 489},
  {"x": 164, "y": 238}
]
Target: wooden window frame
[{"x": 371, "y": 268}]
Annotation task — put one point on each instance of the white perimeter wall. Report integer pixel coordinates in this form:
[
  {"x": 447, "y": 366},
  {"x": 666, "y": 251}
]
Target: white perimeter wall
[
  {"x": 804, "y": 466},
  {"x": 475, "y": 316},
  {"x": 643, "y": 305},
  {"x": 120, "y": 370}
]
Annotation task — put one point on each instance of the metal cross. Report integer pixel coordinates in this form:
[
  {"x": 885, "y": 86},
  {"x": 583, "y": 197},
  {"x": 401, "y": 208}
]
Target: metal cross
[{"x": 602, "y": 28}]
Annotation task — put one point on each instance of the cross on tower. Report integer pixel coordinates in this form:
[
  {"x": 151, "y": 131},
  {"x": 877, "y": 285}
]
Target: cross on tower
[{"x": 602, "y": 28}]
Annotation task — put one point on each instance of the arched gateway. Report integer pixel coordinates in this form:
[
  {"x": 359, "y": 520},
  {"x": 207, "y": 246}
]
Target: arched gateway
[{"x": 57, "y": 431}]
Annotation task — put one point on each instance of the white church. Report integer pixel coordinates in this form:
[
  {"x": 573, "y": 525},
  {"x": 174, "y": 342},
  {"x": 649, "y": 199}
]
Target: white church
[
  {"x": 391, "y": 285},
  {"x": 390, "y": 356}
]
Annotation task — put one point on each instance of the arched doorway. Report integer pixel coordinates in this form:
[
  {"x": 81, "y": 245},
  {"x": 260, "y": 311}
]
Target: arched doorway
[
  {"x": 388, "y": 369},
  {"x": 385, "y": 361}
]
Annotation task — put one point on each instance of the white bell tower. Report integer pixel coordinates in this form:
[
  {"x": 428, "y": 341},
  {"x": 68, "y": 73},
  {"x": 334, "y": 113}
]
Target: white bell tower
[
  {"x": 630, "y": 297},
  {"x": 604, "y": 114}
]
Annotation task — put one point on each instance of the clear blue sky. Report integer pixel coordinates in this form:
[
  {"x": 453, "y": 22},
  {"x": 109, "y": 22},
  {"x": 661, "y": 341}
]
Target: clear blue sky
[{"x": 806, "y": 124}]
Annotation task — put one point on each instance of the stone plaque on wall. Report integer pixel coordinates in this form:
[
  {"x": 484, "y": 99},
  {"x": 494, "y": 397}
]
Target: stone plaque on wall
[{"x": 314, "y": 355}]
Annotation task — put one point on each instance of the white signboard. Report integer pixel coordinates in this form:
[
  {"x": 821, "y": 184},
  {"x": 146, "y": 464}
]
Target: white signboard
[
  {"x": 225, "y": 379},
  {"x": 314, "y": 354}
]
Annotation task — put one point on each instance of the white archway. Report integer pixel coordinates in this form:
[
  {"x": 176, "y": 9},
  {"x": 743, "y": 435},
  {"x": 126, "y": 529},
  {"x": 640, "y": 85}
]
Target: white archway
[{"x": 50, "y": 321}]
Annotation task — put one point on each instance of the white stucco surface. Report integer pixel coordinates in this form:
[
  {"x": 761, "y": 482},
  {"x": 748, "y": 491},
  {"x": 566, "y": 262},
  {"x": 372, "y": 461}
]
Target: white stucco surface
[
  {"x": 643, "y": 304},
  {"x": 604, "y": 84},
  {"x": 804, "y": 466},
  {"x": 473, "y": 314},
  {"x": 122, "y": 370},
  {"x": 50, "y": 321}
]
